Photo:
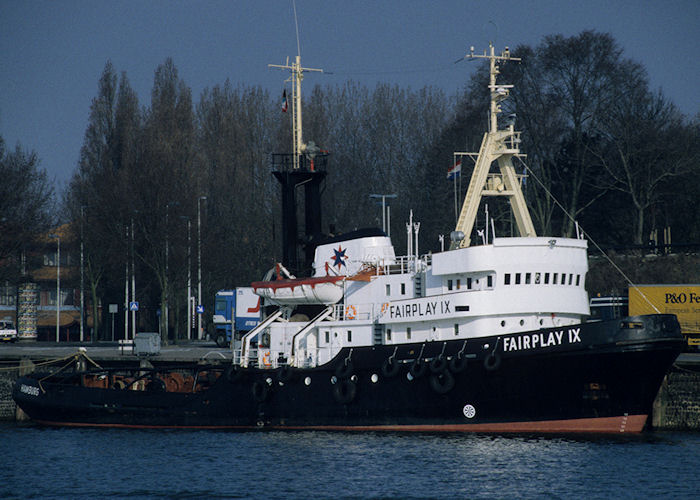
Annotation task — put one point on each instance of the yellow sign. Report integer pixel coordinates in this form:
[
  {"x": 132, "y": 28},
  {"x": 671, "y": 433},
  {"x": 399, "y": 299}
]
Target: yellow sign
[{"x": 681, "y": 300}]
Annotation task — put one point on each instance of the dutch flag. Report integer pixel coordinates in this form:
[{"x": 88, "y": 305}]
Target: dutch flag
[{"x": 455, "y": 170}]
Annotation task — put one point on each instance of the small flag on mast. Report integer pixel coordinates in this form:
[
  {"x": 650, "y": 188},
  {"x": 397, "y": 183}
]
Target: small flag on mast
[
  {"x": 455, "y": 170},
  {"x": 284, "y": 101}
]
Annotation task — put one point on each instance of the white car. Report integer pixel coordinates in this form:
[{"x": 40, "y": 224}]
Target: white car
[{"x": 8, "y": 332}]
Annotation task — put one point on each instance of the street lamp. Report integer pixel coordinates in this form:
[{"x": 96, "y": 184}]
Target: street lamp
[
  {"x": 189, "y": 277},
  {"x": 58, "y": 283},
  {"x": 199, "y": 265}
]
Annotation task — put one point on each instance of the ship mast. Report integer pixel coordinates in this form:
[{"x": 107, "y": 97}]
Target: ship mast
[
  {"x": 296, "y": 77},
  {"x": 498, "y": 145}
]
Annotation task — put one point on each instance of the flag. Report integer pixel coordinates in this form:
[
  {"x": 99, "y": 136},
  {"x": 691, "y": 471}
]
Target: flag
[
  {"x": 284, "y": 101},
  {"x": 454, "y": 171}
]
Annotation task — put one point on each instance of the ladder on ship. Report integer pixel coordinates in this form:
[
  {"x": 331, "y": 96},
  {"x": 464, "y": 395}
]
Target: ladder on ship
[
  {"x": 245, "y": 341},
  {"x": 296, "y": 359}
]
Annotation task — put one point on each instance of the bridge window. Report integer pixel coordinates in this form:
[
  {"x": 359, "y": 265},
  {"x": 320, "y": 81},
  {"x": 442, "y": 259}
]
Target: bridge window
[
  {"x": 554, "y": 279},
  {"x": 537, "y": 278},
  {"x": 527, "y": 278},
  {"x": 506, "y": 279},
  {"x": 517, "y": 278},
  {"x": 546, "y": 278}
]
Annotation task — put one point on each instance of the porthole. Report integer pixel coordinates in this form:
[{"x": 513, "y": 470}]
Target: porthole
[
  {"x": 503, "y": 323},
  {"x": 522, "y": 322}
]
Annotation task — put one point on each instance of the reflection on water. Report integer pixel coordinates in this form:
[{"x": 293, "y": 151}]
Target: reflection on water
[{"x": 89, "y": 463}]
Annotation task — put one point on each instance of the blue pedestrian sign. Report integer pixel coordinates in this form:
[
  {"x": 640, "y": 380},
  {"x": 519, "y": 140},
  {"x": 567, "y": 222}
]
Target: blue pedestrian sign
[
  {"x": 133, "y": 306},
  {"x": 200, "y": 309}
]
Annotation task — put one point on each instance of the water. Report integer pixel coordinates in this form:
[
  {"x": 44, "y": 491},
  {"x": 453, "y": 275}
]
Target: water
[{"x": 111, "y": 463}]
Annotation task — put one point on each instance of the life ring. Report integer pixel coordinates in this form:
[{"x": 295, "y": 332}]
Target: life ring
[
  {"x": 390, "y": 368},
  {"x": 442, "y": 383},
  {"x": 344, "y": 369},
  {"x": 344, "y": 391},
  {"x": 418, "y": 368},
  {"x": 492, "y": 362},
  {"x": 385, "y": 306},
  {"x": 350, "y": 312},
  {"x": 266, "y": 359}
]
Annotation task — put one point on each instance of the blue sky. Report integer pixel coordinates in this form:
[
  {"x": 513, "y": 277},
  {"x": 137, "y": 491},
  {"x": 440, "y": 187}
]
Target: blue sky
[{"x": 53, "y": 52}]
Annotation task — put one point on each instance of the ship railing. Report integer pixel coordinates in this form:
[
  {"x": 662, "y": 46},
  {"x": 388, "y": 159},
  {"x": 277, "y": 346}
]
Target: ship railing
[{"x": 401, "y": 265}]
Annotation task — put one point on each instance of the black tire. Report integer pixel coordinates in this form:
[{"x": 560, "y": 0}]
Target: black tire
[
  {"x": 390, "y": 368},
  {"x": 458, "y": 364},
  {"x": 344, "y": 369},
  {"x": 221, "y": 340},
  {"x": 233, "y": 373},
  {"x": 259, "y": 390},
  {"x": 344, "y": 391},
  {"x": 438, "y": 365},
  {"x": 492, "y": 362},
  {"x": 442, "y": 383},
  {"x": 286, "y": 374},
  {"x": 155, "y": 385},
  {"x": 418, "y": 368}
]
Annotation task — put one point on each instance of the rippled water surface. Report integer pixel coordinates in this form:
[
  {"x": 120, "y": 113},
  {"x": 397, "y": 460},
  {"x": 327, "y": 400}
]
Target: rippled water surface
[{"x": 98, "y": 463}]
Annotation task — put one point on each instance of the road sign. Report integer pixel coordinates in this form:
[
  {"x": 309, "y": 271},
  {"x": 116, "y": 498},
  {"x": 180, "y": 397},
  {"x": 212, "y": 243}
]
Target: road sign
[
  {"x": 200, "y": 309},
  {"x": 133, "y": 306}
]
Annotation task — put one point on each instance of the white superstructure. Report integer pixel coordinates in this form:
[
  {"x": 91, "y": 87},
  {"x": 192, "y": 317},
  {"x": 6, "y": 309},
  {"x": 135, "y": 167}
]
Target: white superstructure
[{"x": 372, "y": 297}]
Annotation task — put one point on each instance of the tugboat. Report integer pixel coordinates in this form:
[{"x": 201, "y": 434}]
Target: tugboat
[{"x": 487, "y": 337}]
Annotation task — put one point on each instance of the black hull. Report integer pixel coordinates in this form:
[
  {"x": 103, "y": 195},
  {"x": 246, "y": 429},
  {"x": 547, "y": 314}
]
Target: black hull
[{"x": 594, "y": 377}]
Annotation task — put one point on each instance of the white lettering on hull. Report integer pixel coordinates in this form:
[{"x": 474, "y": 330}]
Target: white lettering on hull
[{"x": 541, "y": 340}]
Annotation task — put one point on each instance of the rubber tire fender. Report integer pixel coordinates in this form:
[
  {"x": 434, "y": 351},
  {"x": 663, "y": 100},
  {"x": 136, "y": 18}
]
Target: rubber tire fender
[
  {"x": 390, "y": 368},
  {"x": 344, "y": 369},
  {"x": 344, "y": 391},
  {"x": 418, "y": 368},
  {"x": 438, "y": 365},
  {"x": 492, "y": 362},
  {"x": 443, "y": 382},
  {"x": 458, "y": 364},
  {"x": 259, "y": 390}
]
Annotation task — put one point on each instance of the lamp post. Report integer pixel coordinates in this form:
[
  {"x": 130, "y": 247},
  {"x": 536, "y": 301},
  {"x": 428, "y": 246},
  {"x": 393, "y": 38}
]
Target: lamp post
[
  {"x": 189, "y": 277},
  {"x": 58, "y": 283},
  {"x": 199, "y": 265},
  {"x": 385, "y": 226}
]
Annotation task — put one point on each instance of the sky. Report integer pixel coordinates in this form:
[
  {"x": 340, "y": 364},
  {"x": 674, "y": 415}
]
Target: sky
[{"x": 52, "y": 53}]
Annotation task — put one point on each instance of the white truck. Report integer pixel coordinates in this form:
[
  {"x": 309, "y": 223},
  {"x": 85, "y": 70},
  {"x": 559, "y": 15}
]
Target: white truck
[{"x": 8, "y": 332}]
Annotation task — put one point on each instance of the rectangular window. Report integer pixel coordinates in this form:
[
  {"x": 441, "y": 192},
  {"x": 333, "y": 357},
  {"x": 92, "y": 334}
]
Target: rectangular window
[
  {"x": 469, "y": 283},
  {"x": 388, "y": 334},
  {"x": 571, "y": 279},
  {"x": 328, "y": 336},
  {"x": 408, "y": 333},
  {"x": 456, "y": 329},
  {"x": 554, "y": 279},
  {"x": 563, "y": 279},
  {"x": 403, "y": 288},
  {"x": 506, "y": 279},
  {"x": 388, "y": 290},
  {"x": 527, "y": 278},
  {"x": 537, "y": 278},
  {"x": 349, "y": 336},
  {"x": 578, "y": 279},
  {"x": 546, "y": 278},
  {"x": 459, "y": 284},
  {"x": 489, "y": 281},
  {"x": 449, "y": 284},
  {"x": 517, "y": 278}
]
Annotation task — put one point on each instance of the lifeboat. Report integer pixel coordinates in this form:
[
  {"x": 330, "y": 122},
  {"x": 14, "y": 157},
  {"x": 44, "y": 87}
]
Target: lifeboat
[{"x": 324, "y": 290}]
